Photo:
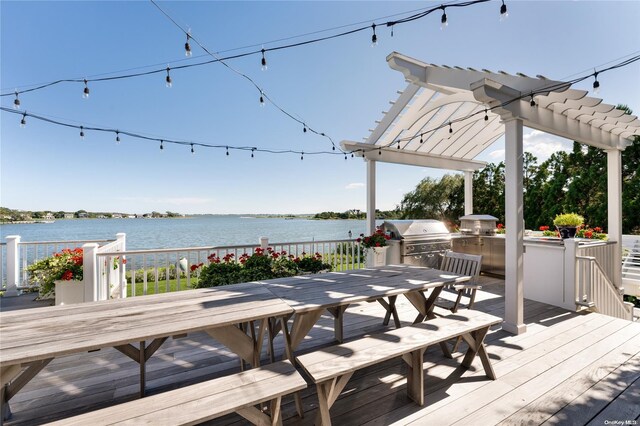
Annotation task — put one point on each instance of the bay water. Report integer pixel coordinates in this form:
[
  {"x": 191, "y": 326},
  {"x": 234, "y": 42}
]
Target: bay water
[{"x": 196, "y": 231}]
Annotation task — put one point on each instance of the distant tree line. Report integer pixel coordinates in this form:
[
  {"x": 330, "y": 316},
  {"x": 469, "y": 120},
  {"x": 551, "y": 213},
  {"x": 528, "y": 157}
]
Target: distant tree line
[
  {"x": 566, "y": 182},
  {"x": 358, "y": 214}
]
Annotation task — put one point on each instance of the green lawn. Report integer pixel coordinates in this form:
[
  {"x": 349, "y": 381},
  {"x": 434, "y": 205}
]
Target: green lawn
[{"x": 162, "y": 286}]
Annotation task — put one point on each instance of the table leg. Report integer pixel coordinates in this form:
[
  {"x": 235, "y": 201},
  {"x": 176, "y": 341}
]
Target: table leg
[
  {"x": 338, "y": 321},
  {"x": 12, "y": 379},
  {"x": 302, "y": 324},
  {"x": 391, "y": 310},
  {"x": 237, "y": 341},
  {"x": 141, "y": 356},
  {"x": 288, "y": 350}
]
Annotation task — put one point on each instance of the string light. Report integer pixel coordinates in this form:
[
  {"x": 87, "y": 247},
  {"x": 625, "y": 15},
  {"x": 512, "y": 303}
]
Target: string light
[
  {"x": 23, "y": 122},
  {"x": 532, "y": 102},
  {"x": 252, "y": 149},
  {"x": 391, "y": 30},
  {"x": 261, "y": 98},
  {"x": 85, "y": 92},
  {"x": 352, "y": 155},
  {"x": 398, "y": 144},
  {"x": 193, "y": 151},
  {"x": 187, "y": 47},
  {"x": 379, "y": 151},
  {"x": 81, "y": 132},
  {"x": 421, "y": 140},
  {"x": 503, "y": 12},
  {"x": 161, "y": 145},
  {"x": 227, "y": 150},
  {"x": 596, "y": 83},
  {"x": 486, "y": 115},
  {"x": 374, "y": 37},
  {"x": 443, "y": 19},
  {"x": 450, "y": 128},
  {"x": 16, "y": 101},
  {"x": 117, "y": 137},
  {"x": 264, "y": 60},
  {"x": 168, "y": 78},
  {"x": 304, "y": 128},
  {"x": 302, "y": 155}
]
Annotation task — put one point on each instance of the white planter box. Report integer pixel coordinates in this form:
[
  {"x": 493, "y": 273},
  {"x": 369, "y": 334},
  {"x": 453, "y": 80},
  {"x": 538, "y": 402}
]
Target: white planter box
[
  {"x": 69, "y": 292},
  {"x": 376, "y": 256}
]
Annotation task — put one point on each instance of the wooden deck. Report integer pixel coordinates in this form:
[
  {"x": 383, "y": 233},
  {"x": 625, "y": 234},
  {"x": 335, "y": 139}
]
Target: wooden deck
[{"x": 567, "y": 369}]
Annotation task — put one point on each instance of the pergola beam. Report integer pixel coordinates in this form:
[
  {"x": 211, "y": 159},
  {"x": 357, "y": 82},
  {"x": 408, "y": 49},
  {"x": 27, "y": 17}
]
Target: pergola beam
[{"x": 393, "y": 155}]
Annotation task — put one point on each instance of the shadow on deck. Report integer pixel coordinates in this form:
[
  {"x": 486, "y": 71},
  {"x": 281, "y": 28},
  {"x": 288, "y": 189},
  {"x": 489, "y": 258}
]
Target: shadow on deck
[{"x": 568, "y": 368}]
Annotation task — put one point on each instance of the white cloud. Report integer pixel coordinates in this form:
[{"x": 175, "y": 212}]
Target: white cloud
[
  {"x": 542, "y": 145},
  {"x": 355, "y": 185},
  {"x": 498, "y": 154}
]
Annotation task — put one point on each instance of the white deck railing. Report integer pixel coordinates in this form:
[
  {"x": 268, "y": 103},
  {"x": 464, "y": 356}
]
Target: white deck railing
[
  {"x": 604, "y": 253},
  {"x": 594, "y": 290},
  {"x": 18, "y": 255},
  {"x": 631, "y": 269},
  {"x": 163, "y": 270}
]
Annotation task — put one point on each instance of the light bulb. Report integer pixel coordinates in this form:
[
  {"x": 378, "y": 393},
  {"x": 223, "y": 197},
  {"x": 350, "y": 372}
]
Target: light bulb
[
  {"x": 398, "y": 144},
  {"x": 421, "y": 140},
  {"x": 81, "y": 132},
  {"x": 503, "y": 12},
  {"x": 23, "y": 122},
  {"x": 596, "y": 84},
  {"x": 117, "y": 137},
  {"x": 187, "y": 47},
  {"x": 227, "y": 150},
  {"x": 252, "y": 149},
  {"x": 261, "y": 99},
  {"x": 263, "y": 61},
  {"x": 450, "y": 128},
  {"x": 302, "y": 155},
  {"x": 168, "y": 79},
  {"x": 443, "y": 20},
  {"x": 304, "y": 129},
  {"x": 85, "y": 92},
  {"x": 374, "y": 37},
  {"x": 486, "y": 116},
  {"x": 161, "y": 145},
  {"x": 192, "y": 150},
  {"x": 16, "y": 102},
  {"x": 532, "y": 102}
]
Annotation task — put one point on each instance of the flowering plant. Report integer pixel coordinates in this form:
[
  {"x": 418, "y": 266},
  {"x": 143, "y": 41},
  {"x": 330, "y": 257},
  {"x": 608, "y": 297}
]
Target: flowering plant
[
  {"x": 591, "y": 233},
  {"x": 377, "y": 239},
  {"x": 65, "y": 265},
  {"x": 501, "y": 229}
]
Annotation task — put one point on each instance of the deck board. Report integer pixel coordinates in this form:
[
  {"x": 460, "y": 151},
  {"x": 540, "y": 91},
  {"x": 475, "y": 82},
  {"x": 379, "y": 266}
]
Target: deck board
[{"x": 567, "y": 368}]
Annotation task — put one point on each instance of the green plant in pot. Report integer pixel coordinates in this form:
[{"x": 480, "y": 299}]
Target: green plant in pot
[{"x": 567, "y": 224}]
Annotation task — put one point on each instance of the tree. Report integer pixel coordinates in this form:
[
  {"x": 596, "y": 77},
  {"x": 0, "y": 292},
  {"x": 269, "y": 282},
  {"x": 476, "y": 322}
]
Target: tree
[{"x": 435, "y": 199}]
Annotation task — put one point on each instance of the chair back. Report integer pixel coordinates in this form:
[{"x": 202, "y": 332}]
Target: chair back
[{"x": 462, "y": 264}]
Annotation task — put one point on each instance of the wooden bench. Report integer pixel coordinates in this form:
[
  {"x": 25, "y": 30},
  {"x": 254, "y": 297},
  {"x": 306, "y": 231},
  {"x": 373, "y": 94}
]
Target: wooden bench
[
  {"x": 205, "y": 401},
  {"x": 331, "y": 368}
]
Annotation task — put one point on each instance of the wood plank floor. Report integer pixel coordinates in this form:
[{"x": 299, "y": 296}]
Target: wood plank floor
[{"x": 568, "y": 368}]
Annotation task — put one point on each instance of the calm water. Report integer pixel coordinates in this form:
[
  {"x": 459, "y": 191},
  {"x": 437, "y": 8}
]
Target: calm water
[{"x": 200, "y": 231}]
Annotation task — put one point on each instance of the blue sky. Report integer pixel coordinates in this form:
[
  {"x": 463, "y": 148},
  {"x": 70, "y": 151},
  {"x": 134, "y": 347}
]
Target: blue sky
[{"x": 339, "y": 87}]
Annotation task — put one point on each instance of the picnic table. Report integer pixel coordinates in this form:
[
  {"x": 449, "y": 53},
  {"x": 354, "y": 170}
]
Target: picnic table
[
  {"x": 30, "y": 339},
  {"x": 310, "y": 295}
]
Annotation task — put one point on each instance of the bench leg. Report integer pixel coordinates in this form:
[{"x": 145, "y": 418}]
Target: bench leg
[
  {"x": 259, "y": 418},
  {"x": 328, "y": 392},
  {"x": 415, "y": 376},
  {"x": 475, "y": 340}
]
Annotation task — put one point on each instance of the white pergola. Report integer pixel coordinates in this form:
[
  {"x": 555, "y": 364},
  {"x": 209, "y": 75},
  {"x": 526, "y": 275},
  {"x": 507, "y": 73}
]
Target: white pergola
[{"x": 416, "y": 131}]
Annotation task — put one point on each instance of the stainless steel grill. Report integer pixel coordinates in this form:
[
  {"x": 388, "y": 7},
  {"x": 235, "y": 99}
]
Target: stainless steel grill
[
  {"x": 478, "y": 224},
  {"x": 422, "y": 242}
]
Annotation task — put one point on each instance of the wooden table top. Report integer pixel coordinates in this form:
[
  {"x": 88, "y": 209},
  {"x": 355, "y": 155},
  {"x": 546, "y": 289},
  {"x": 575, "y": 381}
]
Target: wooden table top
[
  {"x": 311, "y": 292},
  {"x": 41, "y": 333}
]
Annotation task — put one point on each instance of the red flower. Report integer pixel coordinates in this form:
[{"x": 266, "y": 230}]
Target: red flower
[
  {"x": 588, "y": 234},
  {"x": 67, "y": 276},
  {"x": 597, "y": 229},
  {"x": 358, "y": 240},
  {"x": 500, "y": 226},
  {"x": 377, "y": 244},
  {"x": 544, "y": 228}
]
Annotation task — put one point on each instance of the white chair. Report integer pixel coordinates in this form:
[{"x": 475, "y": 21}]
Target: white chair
[{"x": 463, "y": 264}]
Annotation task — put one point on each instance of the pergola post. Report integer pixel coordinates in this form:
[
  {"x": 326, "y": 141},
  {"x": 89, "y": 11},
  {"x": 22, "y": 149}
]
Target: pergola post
[
  {"x": 614, "y": 209},
  {"x": 514, "y": 221},
  {"x": 371, "y": 196},
  {"x": 468, "y": 192}
]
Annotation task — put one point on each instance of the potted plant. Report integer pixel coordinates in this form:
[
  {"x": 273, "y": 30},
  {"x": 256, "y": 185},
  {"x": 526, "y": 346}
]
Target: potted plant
[
  {"x": 60, "y": 276},
  {"x": 376, "y": 245},
  {"x": 567, "y": 224}
]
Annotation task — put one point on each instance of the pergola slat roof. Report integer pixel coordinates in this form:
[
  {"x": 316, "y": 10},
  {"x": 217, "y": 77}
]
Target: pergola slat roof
[{"x": 439, "y": 95}]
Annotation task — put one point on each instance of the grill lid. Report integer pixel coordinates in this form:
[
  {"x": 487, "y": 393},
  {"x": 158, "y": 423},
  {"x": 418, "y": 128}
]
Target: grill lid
[{"x": 415, "y": 229}]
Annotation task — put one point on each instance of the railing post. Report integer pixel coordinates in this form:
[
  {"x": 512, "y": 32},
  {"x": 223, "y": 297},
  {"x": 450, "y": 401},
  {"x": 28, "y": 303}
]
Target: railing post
[
  {"x": 90, "y": 271},
  {"x": 264, "y": 243},
  {"x": 121, "y": 237},
  {"x": 570, "y": 261},
  {"x": 13, "y": 265}
]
